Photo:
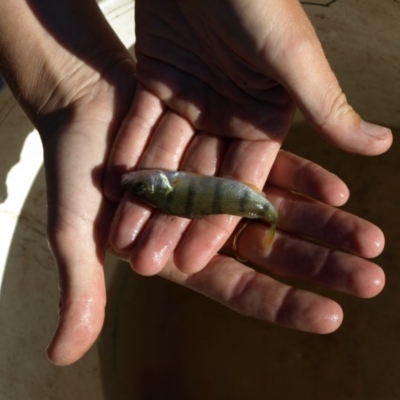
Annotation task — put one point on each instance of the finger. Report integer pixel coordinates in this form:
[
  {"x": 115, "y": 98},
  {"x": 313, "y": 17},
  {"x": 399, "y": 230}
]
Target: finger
[
  {"x": 296, "y": 258},
  {"x": 131, "y": 140},
  {"x": 297, "y": 174},
  {"x": 302, "y": 216},
  {"x": 168, "y": 143},
  {"x": 164, "y": 150},
  {"x": 256, "y": 295},
  {"x": 129, "y": 220},
  {"x": 206, "y": 236},
  {"x": 162, "y": 233},
  {"x": 300, "y": 65}
]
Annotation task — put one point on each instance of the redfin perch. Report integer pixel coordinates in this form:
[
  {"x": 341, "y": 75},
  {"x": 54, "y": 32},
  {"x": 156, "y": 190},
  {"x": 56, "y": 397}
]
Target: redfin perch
[{"x": 192, "y": 195}]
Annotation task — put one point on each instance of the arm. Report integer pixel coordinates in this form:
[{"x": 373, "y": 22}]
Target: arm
[{"x": 75, "y": 80}]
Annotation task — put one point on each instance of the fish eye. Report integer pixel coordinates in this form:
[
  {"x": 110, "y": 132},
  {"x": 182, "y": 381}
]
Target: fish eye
[{"x": 139, "y": 187}]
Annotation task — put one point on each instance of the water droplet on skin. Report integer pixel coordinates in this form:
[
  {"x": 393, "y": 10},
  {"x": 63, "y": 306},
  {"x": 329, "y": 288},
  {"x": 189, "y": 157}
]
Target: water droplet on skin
[
  {"x": 159, "y": 257},
  {"x": 138, "y": 226}
]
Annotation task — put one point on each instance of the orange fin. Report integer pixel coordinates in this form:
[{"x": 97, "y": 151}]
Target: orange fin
[{"x": 269, "y": 238}]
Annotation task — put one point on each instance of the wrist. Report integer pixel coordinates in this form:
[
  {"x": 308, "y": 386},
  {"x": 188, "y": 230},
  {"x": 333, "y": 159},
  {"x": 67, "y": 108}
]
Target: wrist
[{"x": 50, "y": 51}]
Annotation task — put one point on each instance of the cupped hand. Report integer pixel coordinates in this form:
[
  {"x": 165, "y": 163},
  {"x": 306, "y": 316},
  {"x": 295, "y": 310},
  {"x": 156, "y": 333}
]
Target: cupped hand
[
  {"x": 219, "y": 82},
  {"x": 315, "y": 243}
]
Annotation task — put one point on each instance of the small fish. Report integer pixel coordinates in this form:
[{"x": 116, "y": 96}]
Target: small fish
[{"x": 191, "y": 195}]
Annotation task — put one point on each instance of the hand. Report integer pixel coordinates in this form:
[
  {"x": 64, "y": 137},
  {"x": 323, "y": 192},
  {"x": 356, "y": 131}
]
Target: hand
[
  {"x": 228, "y": 64},
  {"x": 229, "y": 74},
  {"x": 77, "y": 90},
  {"x": 330, "y": 257}
]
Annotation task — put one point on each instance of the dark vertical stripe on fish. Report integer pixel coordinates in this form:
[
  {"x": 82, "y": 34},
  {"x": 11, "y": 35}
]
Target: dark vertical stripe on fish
[
  {"x": 244, "y": 200},
  {"x": 169, "y": 201},
  {"x": 218, "y": 196},
  {"x": 190, "y": 197}
]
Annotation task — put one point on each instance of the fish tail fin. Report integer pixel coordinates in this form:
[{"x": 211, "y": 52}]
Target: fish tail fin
[
  {"x": 272, "y": 220},
  {"x": 269, "y": 237}
]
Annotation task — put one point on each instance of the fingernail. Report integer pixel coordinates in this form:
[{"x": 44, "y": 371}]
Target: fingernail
[{"x": 374, "y": 130}]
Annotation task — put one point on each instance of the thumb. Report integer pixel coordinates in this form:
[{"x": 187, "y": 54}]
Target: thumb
[
  {"x": 302, "y": 68},
  {"x": 78, "y": 226},
  {"x": 82, "y": 286}
]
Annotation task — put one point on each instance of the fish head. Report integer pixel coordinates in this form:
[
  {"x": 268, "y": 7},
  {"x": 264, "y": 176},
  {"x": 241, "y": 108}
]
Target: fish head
[{"x": 147, "y": 185}]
